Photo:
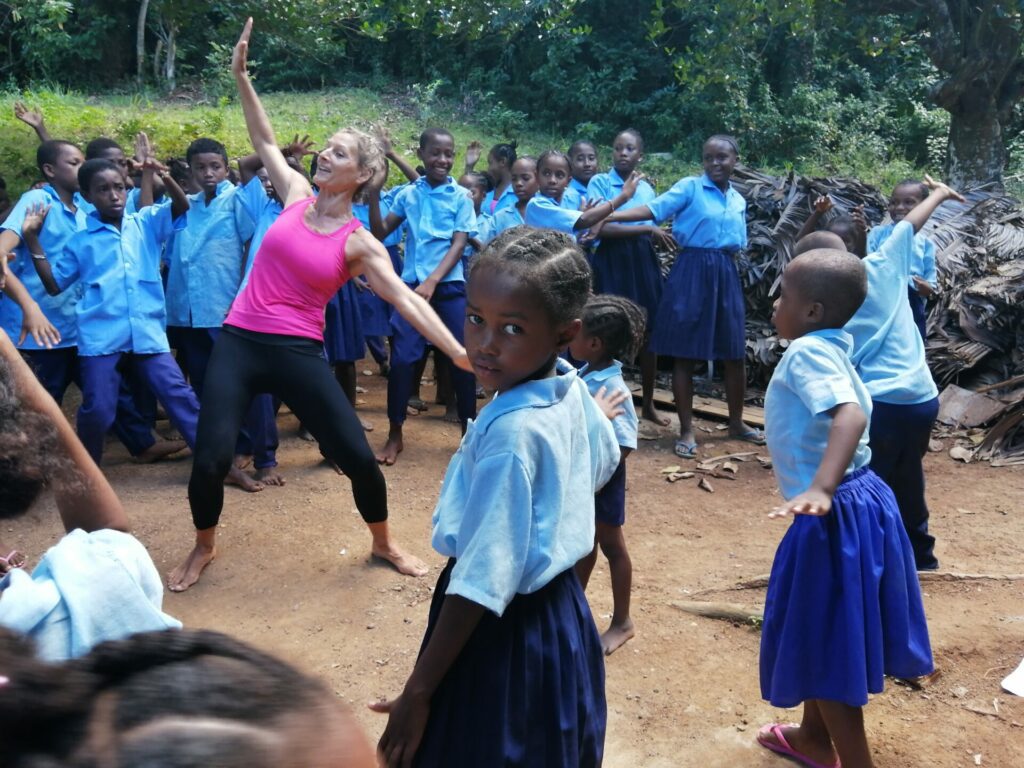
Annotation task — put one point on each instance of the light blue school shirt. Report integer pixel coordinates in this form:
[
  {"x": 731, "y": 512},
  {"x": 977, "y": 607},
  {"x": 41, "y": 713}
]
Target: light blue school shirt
[
  {"x": 703, "y": 216},
  {"x": 88, "y": 588},
  {"x": 362, "y": 212},
  {"x": 517, "y": 504},
  {"x": 813, "y": 377},
  {"x": 492, "y": 226},
  {"x": 122, "y": 307},
  {"x": 605, "y": 187},
  {"x": 263, "y": 210},
  {"x": 206, "y": 260},
  {"x": 626, "y": 423},
  {"x": 544, "y": 212},
  {"x": 60, "y": 224},
  {"x": 508, "y": 199},
  {"x": 887, "y": 348},
  {"x": 574, "y": 194},
  {"x": 433, "y": 215},
  {"x": 923, "y": 265}
]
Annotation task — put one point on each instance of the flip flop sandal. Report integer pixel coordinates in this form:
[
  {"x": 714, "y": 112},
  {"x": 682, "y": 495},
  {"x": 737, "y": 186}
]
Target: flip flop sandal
[
  {"x": 418, "y": 404},
  {"x": 783, "y": 747},
  {"x": 685, "y": 450},
  {"x": 755, "y": 436}
]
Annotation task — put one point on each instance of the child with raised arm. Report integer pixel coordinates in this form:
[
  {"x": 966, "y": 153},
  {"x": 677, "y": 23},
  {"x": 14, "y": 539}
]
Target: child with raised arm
[
  {"x": 515, "y": 515},
  {"x": 702, "y": 313},
  {"x": 613, "y": 329},
  {"x": 439, "y": 218},
  {"x": 843, "y": 607},
  {"x": 852, "y": 227}
]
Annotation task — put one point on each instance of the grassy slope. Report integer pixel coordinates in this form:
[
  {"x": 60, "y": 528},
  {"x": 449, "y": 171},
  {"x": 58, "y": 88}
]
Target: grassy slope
[{"x": 172, "y": 124}]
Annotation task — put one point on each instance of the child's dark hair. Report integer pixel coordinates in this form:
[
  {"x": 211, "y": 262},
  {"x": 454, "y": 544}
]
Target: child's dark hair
[
  {"x": 922, "y": 188},
  {"x": 49, "y": 152},
  {"x": 430, "y": 134},
  {"x": 835, "y": 278},
  {"x": 579, "y": 143},
  {"x": 144, "y": 701},
  {"x": 528, "y": 159},
  {"x": 548, "y": 261},
  {"x": 636, "y": 134},
  {"x": 97, "y": 147},
  {"x": 30, "y": 456},
  {"x": 617, "y": 322},
  {"x": 725, "y": 138},
  {"x": 206, "y": 146},
  {"x": 478, "y": 179},
  {"x": 506, "y": 152},
  {"x": 179, "y": 170},
  {"x": 549, "y": 154},
  {"x": 91, "y": 168}
]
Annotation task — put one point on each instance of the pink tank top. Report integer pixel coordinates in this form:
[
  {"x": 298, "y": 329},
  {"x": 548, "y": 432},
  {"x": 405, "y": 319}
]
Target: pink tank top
[{"x": 297, "y": 273}]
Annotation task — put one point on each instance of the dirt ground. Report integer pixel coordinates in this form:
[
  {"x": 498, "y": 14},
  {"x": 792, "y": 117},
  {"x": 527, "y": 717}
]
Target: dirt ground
[{"x": 294, "y": 577}]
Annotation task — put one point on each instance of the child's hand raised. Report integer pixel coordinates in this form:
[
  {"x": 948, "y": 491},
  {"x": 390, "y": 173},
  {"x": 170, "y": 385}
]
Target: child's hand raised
[
  {"x": 380, "y": 133},
  {"x": 813, "y": 501},
  {"x": 240, "y": 55},
  {"x": 629, "y": 187},
  {"x": 860, "y": 221},
  {"x": 610, "y": 403},
  {"x": 299, "y": 148},
  {"x": 822, "y": 204},
  {"x": 937, "y": 187},
  {"x": 474, "y": 151},
  {"x": 31, "y": 117},
  {"x": 32, "y": 224},
  {"x": 376, "y": 181}
]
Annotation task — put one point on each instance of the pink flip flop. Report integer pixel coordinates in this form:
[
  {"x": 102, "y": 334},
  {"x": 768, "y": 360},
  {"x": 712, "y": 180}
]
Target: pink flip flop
[{"x": 783, "y": 748}]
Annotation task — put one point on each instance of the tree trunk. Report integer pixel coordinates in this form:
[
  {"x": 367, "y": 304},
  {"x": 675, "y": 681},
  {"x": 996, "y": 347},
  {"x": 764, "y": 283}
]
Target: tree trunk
[
  {"x": 157, "y": 54},
  {"x": 172, "y": 54},
  {"x": 140, "y": 42},
  {"x": 977, "y": 153}
]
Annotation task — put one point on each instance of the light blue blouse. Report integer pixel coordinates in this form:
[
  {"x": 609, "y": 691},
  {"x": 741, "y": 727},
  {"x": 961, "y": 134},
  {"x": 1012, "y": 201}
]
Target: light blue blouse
[
  {"x": 60, "y": 224},
  {"x": 492, "y": 226},
  {"x": 122, "y": 306},
  {"x": 605, "y": 187},
  {"x": 507, "y": 200},
  {"x": 207, "y": 259},
  {"x": 887, "y": 348},
  {"x": 517, "y": 504},
  {"x": 703, "y": 216},
  {"x": 262, "y": 209},
  {"x": 813, "y": 377},
  {"x": 362, "y": 212},
  {"x": 545, "y": 213},
  {"x": 433, "y": 216},
  {"x": 923, "y": 265},
  {"x": 626, "y": 423}
]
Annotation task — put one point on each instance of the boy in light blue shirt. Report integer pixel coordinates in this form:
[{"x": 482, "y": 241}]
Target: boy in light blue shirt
[{"x": 439, "y": 218}]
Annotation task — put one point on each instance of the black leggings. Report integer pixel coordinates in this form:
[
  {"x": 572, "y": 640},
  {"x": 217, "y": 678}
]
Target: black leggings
[{"x": 245, "y": 364}]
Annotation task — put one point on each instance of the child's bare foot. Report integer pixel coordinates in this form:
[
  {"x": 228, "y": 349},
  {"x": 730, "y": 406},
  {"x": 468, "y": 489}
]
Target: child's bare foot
[
  {"x": 187, "y": 574},
  {"x": 651, "y": 414},
  {"x": 401, "y": 560},
  {"x": 451, "y": 414},
  {"x": 616, "y": 636},
  {"x": 795, "y": 742},
  {"x": 161, "y": 449},
  {"x": 389, "y": 453},
  {"x": 242, "y": 460},
  {"x": 241, "y": 480},
  {"x": 269, "y": 476}
]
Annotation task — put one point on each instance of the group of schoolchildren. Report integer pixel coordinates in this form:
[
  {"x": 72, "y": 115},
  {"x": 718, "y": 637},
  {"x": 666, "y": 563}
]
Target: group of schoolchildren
[{"x": 112, "y": 272}]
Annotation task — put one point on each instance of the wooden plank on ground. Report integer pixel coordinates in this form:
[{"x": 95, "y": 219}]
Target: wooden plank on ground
[{"x": 705, "y": 406}]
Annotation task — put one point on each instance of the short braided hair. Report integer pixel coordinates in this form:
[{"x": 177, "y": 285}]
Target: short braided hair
[
  {"x": 551, "y": 154},
  {"x": 617, "y": 322},
  {"x": 550, "y": 262}
]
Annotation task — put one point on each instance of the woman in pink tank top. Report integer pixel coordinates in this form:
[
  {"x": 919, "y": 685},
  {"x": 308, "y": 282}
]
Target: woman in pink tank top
[{"x": 273, "y": 335}]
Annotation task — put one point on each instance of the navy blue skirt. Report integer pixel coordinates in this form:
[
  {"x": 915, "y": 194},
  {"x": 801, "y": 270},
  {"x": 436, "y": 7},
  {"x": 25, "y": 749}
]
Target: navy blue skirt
[
  {"x": 919, "y": 309},
  {"x": 628, "y": 266},
  {"x": 375, "y": 313},
  {"x": 526, "y": 690},
  {"x": 343, "y": 327},
  {"x": 702, "y": 314},
  {"x": 844, "y": 604}
]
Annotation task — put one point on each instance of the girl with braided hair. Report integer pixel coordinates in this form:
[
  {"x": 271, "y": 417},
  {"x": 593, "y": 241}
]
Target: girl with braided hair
[
  {"x": 613, "y": 330},
  {"x": 508, "y": 616},
  {"x": 171, "y": 699}
]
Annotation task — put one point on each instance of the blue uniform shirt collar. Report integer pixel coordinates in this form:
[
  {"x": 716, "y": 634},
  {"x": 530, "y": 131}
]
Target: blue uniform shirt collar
[
  {"x": 616, "y": 179},
  {"x": 836, "y": 336},
  {"x": 200, "y": 196},
  {"x": 447, "y": 186},
  {"x": 615, "y": 369},
  {"x": 77, "y": 199},
  {"x": 707, "y": 183},
  {"x": 94, "y": 223},
  {"x": 537, "y": 393}
]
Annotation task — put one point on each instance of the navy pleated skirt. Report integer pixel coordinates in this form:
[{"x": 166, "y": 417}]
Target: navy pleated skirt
[
  {"x": 628, "y": 266},
  {"x": 702, "y": 313},
  {"x": 343, "y": 327},
  {"x": 844, "y": 604},
  {"x": 527, "y": 690}
]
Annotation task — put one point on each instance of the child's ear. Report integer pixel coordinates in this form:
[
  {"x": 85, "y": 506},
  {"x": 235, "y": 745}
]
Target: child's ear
[
  {"x": 568, "y": 332},
  {"x": 816, "y": 312},
  {"x": 48, "y": 171}
]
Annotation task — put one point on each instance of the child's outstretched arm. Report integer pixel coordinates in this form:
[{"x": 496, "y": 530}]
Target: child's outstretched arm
[
  {"x": 30, "y": 227},
  {"x": 822, "y": 205},
  {"x": 179, "y": 200},
  {"x": 606, "y": 209},
  {"x": 90, "y": 503},
  {"x": 290, "y": 185},
  {"x": 379, "y": 227},
  {"x": 33, "y": 321},
  {"x": 382, "y": 136},
  {"x": 940, "y": 193},
  {"x": 248, "y": 166},
  {"x": 409, "y": 712},
  {"x": 848, "y": 424},
  {"x": 32, "y": 118}
]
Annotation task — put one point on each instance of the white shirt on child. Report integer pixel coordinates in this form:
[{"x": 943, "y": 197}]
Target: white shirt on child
[
  {"x": 887, "y": 348},
  {"x": 517, "y": 504},
  {"x": 626, "y": 423},
  {"x": 813, "y": 377}
]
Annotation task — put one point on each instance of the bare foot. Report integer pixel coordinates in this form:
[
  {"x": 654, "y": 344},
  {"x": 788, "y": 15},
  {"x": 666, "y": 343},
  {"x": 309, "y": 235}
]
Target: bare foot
[
  {"x": 161, "y": 449},
  {"x": 651, "y": 414},
  {"x": 269, "y": 476},
  {"x": 616, "y": 636},
  {"x": 389, "y": 453},
  {"x": 791, "y": 732},
  {"x": 242, "y": 461},
  {"x": 402, "y": 561},
  {"x": 451, "y": 415},
  {"x": 241, "y": 480},
  {"x": 305, "y": 434},
  {"x": 187, "y": 574}
]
